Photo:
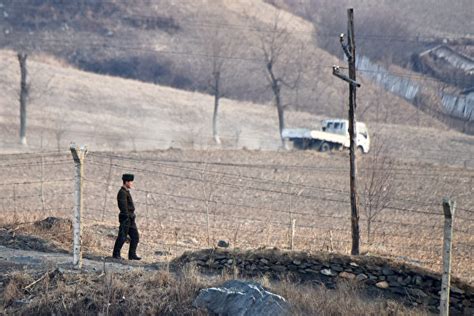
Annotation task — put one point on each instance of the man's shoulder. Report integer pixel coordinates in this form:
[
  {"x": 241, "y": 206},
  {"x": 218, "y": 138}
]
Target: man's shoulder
[{"x": 122, "y": 191}]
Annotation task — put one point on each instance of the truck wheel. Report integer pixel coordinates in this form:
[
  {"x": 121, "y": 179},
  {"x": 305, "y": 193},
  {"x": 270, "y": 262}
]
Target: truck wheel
[
  {"x": 360, "y": 151},
  {"x": 325, "y": 147}
]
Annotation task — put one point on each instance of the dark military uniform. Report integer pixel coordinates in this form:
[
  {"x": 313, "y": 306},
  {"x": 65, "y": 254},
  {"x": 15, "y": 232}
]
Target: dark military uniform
[{"x": 127, "y": 224}]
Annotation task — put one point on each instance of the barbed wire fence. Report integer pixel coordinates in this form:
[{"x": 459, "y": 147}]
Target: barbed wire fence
[{"x": 185, "y": 203}]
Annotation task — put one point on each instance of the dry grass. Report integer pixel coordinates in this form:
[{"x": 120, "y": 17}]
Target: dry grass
[
  {"x": 346, "y": 299},
  {"x": 250, "y": 205},
  {"x": 164, "y": 293},
  {"x": 13, "y": 290},
  {"x": 136, "y": 292}
]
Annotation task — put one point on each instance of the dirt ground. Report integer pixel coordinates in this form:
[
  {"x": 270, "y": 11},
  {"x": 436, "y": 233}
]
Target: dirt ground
[{"x": 189, "y": 199}]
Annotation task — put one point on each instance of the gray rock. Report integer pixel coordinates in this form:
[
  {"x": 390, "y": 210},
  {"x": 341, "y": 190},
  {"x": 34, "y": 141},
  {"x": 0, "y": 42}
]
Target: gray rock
[
  {"x": 337, "y": 268},
  {"x": 405, "y": 281},
  {"x": 292, "y": 267},
  {"x": 457, "y": 290},
  {"x": 391, "y": 279},
  {"x": 428, "y": 283},
  {"x": 361, "y": 277},
  {"x": 347, "y": 275},
  {"x": 278, "y": 268},
  {"x": 467, "y": 303},
  {"x": 382, "y": 285},
  {"x": 372, "y": 277},
  {"x": 241, "y": 298},
  {"x": 371, "y": 282},
  {"x": 315, "y": 267},
  {"x": 418, "y": 280},
  {"x": 398, "y": 290},
  {"x": 223, "y": 244},
  {"x": 327, "y": 272},
  {"x": 387, "y": 271},
  {"x": 296, "y": 262},
  {"x": 417, "y": 293}
]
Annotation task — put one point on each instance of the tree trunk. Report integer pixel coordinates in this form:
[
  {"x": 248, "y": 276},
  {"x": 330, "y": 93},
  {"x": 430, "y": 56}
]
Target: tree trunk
[
  {"x": 215, "y": 134},
  {"x": 369, "y": 221},
  {"x": 281, "y": 112},
  {"x": 23, "y": 96}
]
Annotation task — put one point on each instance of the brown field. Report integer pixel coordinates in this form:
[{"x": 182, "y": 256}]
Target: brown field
[{"x": 189, "y": 199}]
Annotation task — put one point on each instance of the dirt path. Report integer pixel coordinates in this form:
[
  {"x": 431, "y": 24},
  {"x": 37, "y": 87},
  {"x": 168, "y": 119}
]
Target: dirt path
[{"x": 29, "y": 259}]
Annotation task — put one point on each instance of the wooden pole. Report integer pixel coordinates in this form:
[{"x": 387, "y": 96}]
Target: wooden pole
[
  {"x": 42, "y": 182},
  {"x": 352, "y": 133},
  {"x": 449, "y": 208},
  {"x": 109, "y": 176},
  {"x": 78, "y": 155},
  {"x": 349, "y": 51},
  {"x": 14, "y": 202},
  {"x": 293, "y": 228}
]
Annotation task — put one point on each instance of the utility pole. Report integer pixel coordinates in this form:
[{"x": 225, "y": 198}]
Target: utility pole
[{"x": 349, "y": 51}]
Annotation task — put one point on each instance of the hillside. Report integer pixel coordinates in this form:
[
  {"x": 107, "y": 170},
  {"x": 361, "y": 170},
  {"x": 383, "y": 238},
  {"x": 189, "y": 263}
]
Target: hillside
[
  {"x": 107, "y": 113},
  {"x": 171, "y": 43},
  {"x": 431, "y": 41}
]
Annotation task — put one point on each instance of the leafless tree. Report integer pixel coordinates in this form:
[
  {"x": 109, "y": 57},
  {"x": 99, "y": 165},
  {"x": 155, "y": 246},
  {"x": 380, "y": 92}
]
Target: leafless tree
[
  {"x": 282, "y": 56},
  {"x": 24, "y": 88},
  {"x": 377, "y": 184},
  {"x": 59, "y": 131},
  {"x": 219, "y": 47}
]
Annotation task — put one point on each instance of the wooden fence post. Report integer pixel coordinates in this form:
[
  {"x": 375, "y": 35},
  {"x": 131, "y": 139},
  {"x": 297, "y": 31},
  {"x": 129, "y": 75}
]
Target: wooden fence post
[
  {"x": 449, "y": 208},
  {"x": 292, "y": 236},
  {"x": 109, "y": 176},
  {"x": 78, "y": 155}
]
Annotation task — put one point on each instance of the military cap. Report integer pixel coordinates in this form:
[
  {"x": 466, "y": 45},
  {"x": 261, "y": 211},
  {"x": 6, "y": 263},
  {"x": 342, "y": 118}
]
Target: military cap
[{"x": 127, "y": 177}]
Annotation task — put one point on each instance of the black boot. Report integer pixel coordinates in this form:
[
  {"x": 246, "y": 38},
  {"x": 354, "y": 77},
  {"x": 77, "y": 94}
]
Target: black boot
[
  {"x": 118, "y": 247},
  {"x": 132, "y": 252}
]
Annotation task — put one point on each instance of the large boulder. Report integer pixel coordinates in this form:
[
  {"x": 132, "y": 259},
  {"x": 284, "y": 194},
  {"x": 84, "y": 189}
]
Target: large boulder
[{"x": 241, "y": 298}]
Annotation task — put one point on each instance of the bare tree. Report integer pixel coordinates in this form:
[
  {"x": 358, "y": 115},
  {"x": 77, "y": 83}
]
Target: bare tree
[
  {"x": 282, "y": 57},
  {"x": 23, "y": 96},
  {"x": 219, "y": 47},
  {"x": 59, "y": 131},
  {"x": 377, "y": 184}
]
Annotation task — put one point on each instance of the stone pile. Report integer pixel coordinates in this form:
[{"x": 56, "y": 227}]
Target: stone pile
[{"x": 412, "y": 285}]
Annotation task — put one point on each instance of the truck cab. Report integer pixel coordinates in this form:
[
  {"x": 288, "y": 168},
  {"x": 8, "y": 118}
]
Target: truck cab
[{"x": 341, "y": 127}]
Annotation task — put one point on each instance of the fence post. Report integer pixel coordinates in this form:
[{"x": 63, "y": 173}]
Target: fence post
[
  {"x": 293, "y": 228},
  {"x": 449, "y": 208},
  {"x": 78, "y": 155},
  {"x": 109, "y": 176}
]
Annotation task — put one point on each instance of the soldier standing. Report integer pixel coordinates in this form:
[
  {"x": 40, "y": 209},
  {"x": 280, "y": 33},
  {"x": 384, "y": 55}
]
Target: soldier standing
[{"x": 128, "y": 227}]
